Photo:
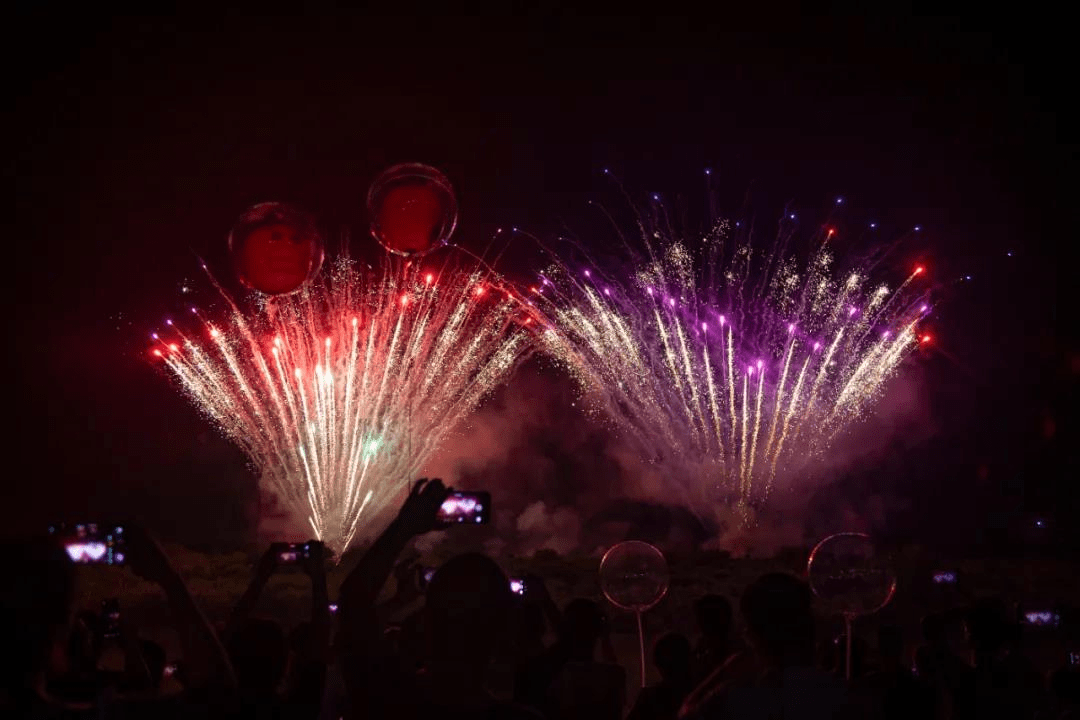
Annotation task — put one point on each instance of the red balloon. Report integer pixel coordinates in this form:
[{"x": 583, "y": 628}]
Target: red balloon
[
  {"x": 412, "y": 208},
  {"x": 276, "y": 248}
]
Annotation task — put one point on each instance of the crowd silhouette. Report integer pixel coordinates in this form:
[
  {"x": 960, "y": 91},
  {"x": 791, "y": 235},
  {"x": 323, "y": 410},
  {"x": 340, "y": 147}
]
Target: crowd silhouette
[{"x": 475, "y": 649}]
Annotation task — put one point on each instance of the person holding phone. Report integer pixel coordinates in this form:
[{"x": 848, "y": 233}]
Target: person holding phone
[
  {"x": 38, "y": 586},
  {"x": 259, "y": 649},
  {"x": 465, "y": 615}
]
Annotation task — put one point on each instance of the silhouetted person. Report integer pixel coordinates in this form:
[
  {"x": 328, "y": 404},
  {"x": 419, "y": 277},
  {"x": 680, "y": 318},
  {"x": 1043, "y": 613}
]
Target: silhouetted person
[
  {"x": 35, "y": 594},
  {"x": 154, "y": 657},
  {"x": 529, "y": 629},
  {"x": 951, "y": 679},
  {"x": 1006, "y": 683},
  {"x": 1065, "y": 690},
  {"x": 834, "y": 656},
  {"x": 261, "y": 653},
  {"x": 258, "y": 653},
  {"x": 891, "y": 691},
  {"x": 714, "y": 620},
  {"x": 566, "y": 679},
  {"x": 662, "y": 701},
  {"x": 585, "y": 687},
  {"x": 777, "y": 678},
  {"x": 464, "y": 617}
]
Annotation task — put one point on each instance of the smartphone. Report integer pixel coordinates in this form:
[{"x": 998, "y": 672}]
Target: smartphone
[
  {"x": 332, "y": 607},
  {"x": 946, "y": 577},
  {"x": 423, "y": 577},
  {"x": 471, "y": 508},
  {"x": 169, "y": 670},
  {"x": 1041, "y": 618},
  {"x": 292, "y": 553},
  {"x": 517, "y": 586},
  {"x": 110, "y": 618},
  {"x": 92, "y": 543}
]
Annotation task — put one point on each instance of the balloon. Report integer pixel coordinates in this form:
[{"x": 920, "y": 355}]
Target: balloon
[
  {"x": 412, "y": 209},
  {"x": 846, "y": 571},
  {"x": 634, "y": 575},
  {"x": 275, "y": 248}
]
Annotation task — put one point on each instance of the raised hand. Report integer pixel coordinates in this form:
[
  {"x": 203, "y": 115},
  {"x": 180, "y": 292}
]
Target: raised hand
[
  {"x": 146, "y": 558},
  {"x": 314, "y": 563},
  {"x": 269, "y": 560},
  {"x": 417, "y": 515},
  {"x": 406, "y": 574}
]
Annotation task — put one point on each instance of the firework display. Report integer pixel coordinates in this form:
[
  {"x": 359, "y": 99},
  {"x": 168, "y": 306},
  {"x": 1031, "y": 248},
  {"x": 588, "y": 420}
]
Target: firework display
[
  {"x": 730, "y": 366},
  {"x": 340, "y": 392}
]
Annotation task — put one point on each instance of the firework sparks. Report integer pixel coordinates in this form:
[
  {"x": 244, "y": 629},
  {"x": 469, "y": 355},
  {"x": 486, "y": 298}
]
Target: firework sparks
[
  {"x": 731, "y": 370},
  {"x": 340, "y": 393}
]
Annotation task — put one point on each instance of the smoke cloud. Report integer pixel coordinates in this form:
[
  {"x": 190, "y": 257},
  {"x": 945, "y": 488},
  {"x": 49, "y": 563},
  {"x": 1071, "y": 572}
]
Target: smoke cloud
[{"x": 565, "y": 480}]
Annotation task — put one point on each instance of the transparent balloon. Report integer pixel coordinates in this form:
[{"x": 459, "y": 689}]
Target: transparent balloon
[
  {"x": 412, "y": 208},
  {"x": 634, "y": 575},
  {"x": 276, "y": 248},
  {"x": 848, "y": 574}
]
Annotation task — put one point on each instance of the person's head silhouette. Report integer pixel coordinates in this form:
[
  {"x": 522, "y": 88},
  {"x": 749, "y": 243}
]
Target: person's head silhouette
[
  {"x": 714, "y": 618},
  {"x": 467, "y": 607},
  {"x": 671, "y": 655},
  {"x": 779, "y": 618},
  {"x": 36, "y": 593},
  {"x": 528, "y": 628},
  {"x": 933, "y": 630},
  {"x": 259, "y": 653},
  {"x": 890, "y": 645},
  {"x": 581, "y": 627}
]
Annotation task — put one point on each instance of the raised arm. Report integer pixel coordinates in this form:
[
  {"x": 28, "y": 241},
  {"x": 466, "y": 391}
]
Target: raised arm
[
  {"x": 204, "y": 657},
  {"x": 368, "y": 676},
  {"x": 264, "y": 568},
  {"x": 313, "y": 652},
  {"x": 417, "y": 516}
]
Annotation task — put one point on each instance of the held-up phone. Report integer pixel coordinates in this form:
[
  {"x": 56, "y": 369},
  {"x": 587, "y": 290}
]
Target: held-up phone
[
  {"x": 423, "y": 577},
  {"x": 169, "y": 670},
  {"x": 946, "y": 577},
  {"x": 110, "y": 618},
  {"x": 1041, "y": 618},
  {"x": 92, "y": 543},
  {"x": 472, "y": 508},
  {"x": 332, "y": 607},
  {"x": 293, "y": 553},
  {"x": 517, "y": 586}
]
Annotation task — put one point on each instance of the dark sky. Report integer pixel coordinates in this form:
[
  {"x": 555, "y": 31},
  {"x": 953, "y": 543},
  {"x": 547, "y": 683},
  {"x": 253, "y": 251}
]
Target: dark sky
[{"x": 138, "y": 141}]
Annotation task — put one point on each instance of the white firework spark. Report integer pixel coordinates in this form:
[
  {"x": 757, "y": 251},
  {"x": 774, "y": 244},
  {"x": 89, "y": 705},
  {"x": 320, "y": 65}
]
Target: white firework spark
[
  {"x": 341, "y": 392},
  {"x": 730, "y": 370}
]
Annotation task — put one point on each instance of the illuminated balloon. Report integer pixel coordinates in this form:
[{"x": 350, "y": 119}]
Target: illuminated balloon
[
  {"x": 849, "y": 575},
  {"x": 412, "y": 208},
  {"x": 276, "y": 248},
  {"x": 634, "y": 575}
]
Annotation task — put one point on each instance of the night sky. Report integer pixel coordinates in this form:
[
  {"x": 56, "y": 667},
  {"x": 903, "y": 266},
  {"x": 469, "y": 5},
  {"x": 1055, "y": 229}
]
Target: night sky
[{"x": 136, "y": 142}]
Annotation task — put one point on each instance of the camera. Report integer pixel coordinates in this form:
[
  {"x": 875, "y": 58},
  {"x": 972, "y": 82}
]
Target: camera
[
  {"x": 1041, "y": 618},
  {"x": 423, "y": 577},
  {"x": 946, "y": 577},
  {"x": 471, "y": 508},
  {"x": 92, "y": 543},
  {"x": 293, "y": 553}
]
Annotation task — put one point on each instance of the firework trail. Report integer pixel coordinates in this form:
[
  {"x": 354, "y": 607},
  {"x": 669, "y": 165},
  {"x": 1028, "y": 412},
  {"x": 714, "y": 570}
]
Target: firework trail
[
  {"x": 340, "y": 393},
  {"x": 729, "y": 366}
]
